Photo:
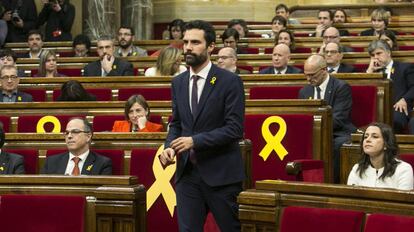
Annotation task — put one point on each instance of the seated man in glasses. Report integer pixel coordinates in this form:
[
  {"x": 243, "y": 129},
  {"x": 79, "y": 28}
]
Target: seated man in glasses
[
  {"x": 333, "y": 35},
  {"x": 337, "y": 93},
  {"x": 227, "y": 59},
  {"x": 333, "y": 54},
  {"x": 9, "y": 84},
  {"x": 79, "y": 160}
]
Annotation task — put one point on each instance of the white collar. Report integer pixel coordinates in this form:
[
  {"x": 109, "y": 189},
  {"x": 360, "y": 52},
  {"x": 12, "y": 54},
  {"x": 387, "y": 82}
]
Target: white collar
[
  {"x": 203, "y": 72},
  {"x": 82, "y": 156}
]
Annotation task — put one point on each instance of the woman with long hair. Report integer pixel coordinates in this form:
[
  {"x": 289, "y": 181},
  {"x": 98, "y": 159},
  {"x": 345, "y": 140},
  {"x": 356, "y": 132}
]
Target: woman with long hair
[{"x": 168, "y": 63}]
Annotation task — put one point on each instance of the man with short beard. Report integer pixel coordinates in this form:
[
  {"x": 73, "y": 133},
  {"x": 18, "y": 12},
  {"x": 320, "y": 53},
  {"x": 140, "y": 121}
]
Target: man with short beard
[
  {"x": 126, "y": 37},
  {"x": 35, "y": 44},
  {"x": 207, "y": 124}
]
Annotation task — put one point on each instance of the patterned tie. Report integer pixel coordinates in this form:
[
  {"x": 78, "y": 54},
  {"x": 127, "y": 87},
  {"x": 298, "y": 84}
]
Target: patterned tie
[
  {"x": 318, "y": 92},
  {"x": 194, "y": 96},
  {"x": 76, "y": 171}
]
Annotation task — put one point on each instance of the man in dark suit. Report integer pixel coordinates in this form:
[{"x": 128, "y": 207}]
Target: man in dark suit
[
  {"x": 333, "y": 56},
  {"x": 280, "y": 60},
  {"x": 79, "y": 160},
  {"x": 35, "y": 44},
  {"x": 402, "y": 76},
  {"x": 9, "y": 84},
  {"x": 208, "y": 115},
  {"x": 9, "y": 163},
  {"x": 21, "y": 17},
  {"x": 337, "y": 94},
  {"x": 227, "y": 59},
  {"x": 108, "y": 65}
]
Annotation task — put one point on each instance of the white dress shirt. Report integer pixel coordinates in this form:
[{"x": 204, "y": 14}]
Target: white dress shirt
[
  {"x": 323, "y": 87},
  {"x": 201, "y": 81},
  {"x": 71, "y": 163}
]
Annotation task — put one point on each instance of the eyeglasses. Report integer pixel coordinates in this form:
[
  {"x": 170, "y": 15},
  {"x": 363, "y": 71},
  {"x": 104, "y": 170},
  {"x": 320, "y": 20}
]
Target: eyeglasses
[
  {"x": 311, "y": 75},
  {"x": 224, "y": 57},
  {"x": 333, "y": 52},
  {"x": 74, "y": 132},
  {"x": 13, "y": 78}
]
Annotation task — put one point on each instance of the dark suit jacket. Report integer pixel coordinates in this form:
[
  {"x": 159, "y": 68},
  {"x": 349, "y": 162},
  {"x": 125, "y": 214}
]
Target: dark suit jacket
[
  {"x": 242, "y": 71},
  {"x": 338, "y": 95},
  {"x": 271, "y": 70},
  {"x": 216, "y": 129},
  {"x": 56, "y": 164},
  {"x": 20, "y": 97},
  {"x": 371, "y": 32},
  {"x": 27, "y": 11},
  {"x": 119, "y": 68},
  {"x": 11, "y": 163},
  {"x": 403, "y": 82},
  {"x": 344, "y": 68}
]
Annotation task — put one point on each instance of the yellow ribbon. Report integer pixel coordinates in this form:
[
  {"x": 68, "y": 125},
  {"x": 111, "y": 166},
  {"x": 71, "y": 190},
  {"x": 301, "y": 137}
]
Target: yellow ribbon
[
  {"x": 273, "y": 142},
  {"x": 162, "y": 185},
  {"x": 213, "y": 80},
  {"x": 52, "y": 119}
]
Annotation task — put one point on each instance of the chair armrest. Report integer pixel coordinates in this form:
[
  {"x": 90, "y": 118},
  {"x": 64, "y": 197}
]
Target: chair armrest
[{"x": 306, "y": 170}]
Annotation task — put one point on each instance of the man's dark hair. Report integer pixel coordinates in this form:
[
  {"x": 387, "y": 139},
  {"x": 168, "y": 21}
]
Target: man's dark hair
[
  {"x": 8, "y": 52},
  {"x": 34, "y": 32},
  {"x": 241, "y": 22},
  {"x": 331, "y": 14},
  {"x": 86, "y": 124},
  {"x": 229, "y": 32},
  {"x": 176, "y": 23},
  {"x": 209, "y": 32},
  {"x": 82, "y": 39},
  {"x": 128, "y": 28},
  {"x": 282, "y": 6}
]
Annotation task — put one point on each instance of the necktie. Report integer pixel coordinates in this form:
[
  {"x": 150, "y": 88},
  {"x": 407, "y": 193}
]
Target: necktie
[
  {"x": 331, "y": 70},
  {"x": 279, "y": 72},
  {"x": 76, "y": 171},
  {"x": 318, "y": 92},
  {"x": 194, "y": 96}
]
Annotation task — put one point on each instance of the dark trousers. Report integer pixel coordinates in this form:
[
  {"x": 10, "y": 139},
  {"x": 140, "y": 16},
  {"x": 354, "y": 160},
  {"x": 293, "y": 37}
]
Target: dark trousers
[
  {"x": 338, "y": 141},
  {"x": 195, "y": 199},
  {"x": 401, "y": 121}
]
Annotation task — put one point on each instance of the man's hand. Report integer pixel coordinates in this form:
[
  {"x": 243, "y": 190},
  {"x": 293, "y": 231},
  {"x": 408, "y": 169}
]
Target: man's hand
[
  {"x": 401, "y": 106},
  {"x": 56, "y": 7},
  {"x": 167, "y": 157},
  {"x": 107, "y": 63},
  {"x": 319, "y": 29},
  {"x": 322, "y": 49},
  {"x": 182, "y": 144},
  {"x": 19, "y": 23},
  {"x": 374, "y": 66}
]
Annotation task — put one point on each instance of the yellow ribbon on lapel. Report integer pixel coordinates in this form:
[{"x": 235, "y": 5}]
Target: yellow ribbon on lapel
[
  {"x": 52, "y": 119},
  {"x": 162, "y": 185},
  {"x": 273, "y": 142}
]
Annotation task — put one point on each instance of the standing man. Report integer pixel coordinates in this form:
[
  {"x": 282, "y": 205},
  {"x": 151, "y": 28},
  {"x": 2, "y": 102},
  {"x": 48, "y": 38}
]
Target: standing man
[
  {"x": 280, "y": 60},
  {"x": 337, "y": 93},
  {"x": 208, "y": 115},
  {"x": 402, "y": 76},
  {"x": 58, "y": 16},
  {"x": 108, "y": 65},
  {"x": 79, "y": 160},
  {"x": 126, "y": 37},
  {"x": 21, "y": 17}
]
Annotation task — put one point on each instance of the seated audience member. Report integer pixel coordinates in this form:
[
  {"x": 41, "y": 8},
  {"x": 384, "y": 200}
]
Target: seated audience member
[
  {"x": 278, "y": 23},
  {"x": 379, "y": 19},
  {"x": 286, "y": 37},
  {"x": 10, "y": 163},
  {"x": 340, "y": 16},
  {"x": 48, "y": 65},
  {"x": 81, "y": 46},
  {"x": 379, "y": 166},
  {"x": 126, "y": 37},
  {"x": 325, "y": 18},
  {"x": 280, "y": 60},
  {"x": 240, "y": 25},
  {"x": 108, "y": 65},
  {"x": 333, "y": 56},
  {"x": 73, "y": 91},
  {"x": 389, "y": 37},
  {"x": 78, "y": 160},
  {"x": 21, "y": 17},
  {"x": 337, "y": 93},
  {"x": 168, "y": 63},
  {"x": 35, "y": 44},
  {"x": 58, "y": 16},
  {"x": 9, "y": 86},
  {"x": 283, "y": 10},
  {"x": 402, "y": 75},
  {"x": 332, "y": 35},
  {"x": 230, "y": 38},
  {"x": 9, "y": 57},
  {"x": 227, "y": 59},
  {"x": 137, "y": 113},
  {"x": 176, "y": 29}
]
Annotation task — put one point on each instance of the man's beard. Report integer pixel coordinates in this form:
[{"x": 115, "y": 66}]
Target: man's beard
[
  {"x": 195, "y": 60},
  {"x": 125, "y": 44}
]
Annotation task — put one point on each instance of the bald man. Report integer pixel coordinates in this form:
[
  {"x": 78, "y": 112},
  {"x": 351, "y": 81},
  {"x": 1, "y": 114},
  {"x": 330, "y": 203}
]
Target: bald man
[
  {"x": 337, "y": 94},
  {"x": 333, "y": 35},
  {"x": 227, "y": 59},
  {"x": 280, "y": 60}
]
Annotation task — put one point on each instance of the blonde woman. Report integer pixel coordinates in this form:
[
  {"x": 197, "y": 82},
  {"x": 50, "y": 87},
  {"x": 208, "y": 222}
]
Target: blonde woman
[
  {"x": 168, "y": 63},
  {"x": 48, "y": 65}
]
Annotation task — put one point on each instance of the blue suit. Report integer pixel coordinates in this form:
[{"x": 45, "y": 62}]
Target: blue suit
[{"x": 216, "y": 131}]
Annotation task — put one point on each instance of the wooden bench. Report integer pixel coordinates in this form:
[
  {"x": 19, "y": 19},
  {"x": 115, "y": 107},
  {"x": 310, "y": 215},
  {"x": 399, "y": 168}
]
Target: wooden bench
[{"x": 262, "y": 208}]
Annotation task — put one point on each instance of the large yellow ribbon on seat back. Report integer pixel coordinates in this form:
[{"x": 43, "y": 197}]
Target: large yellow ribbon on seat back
[
  {"x": 40, "y": 128},
  {"x": 162, "y": 185},
  {"x": 273, "y": 142}
]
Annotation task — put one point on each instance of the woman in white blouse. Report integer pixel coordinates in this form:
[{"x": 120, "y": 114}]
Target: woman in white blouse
[
  {"x": 168, "y": 63},
  {"x": 378, "y": 166}
]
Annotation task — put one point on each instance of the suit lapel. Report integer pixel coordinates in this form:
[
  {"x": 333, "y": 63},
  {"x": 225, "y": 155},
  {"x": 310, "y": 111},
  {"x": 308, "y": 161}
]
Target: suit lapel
[
  {"x": 88, "y": 165},
  {"x": 208, "y": 86},
  {"x": 63, "y": 163},
  {"x": 328, "y": 91},
  {"x": 183, "y": 96},
  {"x": 4, "y": 160}
]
